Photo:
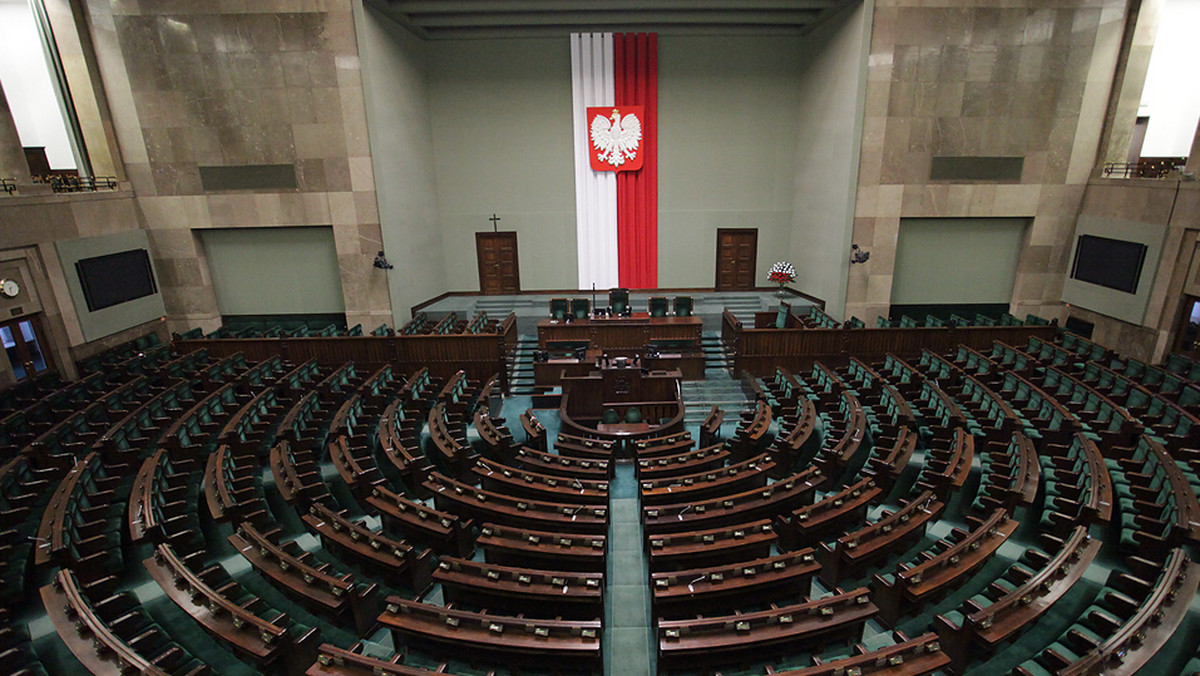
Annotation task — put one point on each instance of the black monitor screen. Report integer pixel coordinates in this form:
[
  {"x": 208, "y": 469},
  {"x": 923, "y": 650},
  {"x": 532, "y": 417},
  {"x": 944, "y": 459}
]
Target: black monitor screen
[
  {"x": 115, "y": 278},
  {"x": 1112, "y": 263}
]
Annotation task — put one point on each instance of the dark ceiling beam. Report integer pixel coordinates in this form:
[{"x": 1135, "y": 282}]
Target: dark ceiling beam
[
  {"x": 533, "y": 19},
  {"x": 518, "y": 6}
]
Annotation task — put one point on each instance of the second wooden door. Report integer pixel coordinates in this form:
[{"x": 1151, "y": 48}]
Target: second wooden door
[
  {"x": 498, "y": 268},
  {"x": 737, "y": 254}
]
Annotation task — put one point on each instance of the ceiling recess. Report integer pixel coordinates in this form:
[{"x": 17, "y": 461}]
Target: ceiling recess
[{"x": 479, "y": 19}]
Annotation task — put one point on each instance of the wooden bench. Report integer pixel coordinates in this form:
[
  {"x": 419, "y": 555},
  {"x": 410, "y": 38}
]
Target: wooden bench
[
  {"x": 451, "y": 448},
  {"x": 544, "y": 550},
  {"x": 708, "y": 641},
  {"x": 987, "y": 620},
  {"x": 710, "y": 427},
  {"x": 560, "y": 465},
  {"x": 890, "y": 535},
  {"x": 113, "y": 636},
  {"x": 706, "y": 548},
  {"x": 524, "y": 591},
  {"x": 758, "y": 503},
  {"x": 421, "y": 524},
  {"x": 907, "y": 657},
  {"x": 231, "y": 485},
  {"x": 489, "y": 506},
  {"x": 516, "y": 482},
  {"x": 700, "y": 460},
  {"x": 298, "y": 574},
  {"x": 222, "y": 607},
  {"x": 495, "y": 436},
  {"x": 535, "y": 433},
  {"x": 949, "y": 563},
  {"x": 830, "y": 515},
  {"x": 335, "y": 661},
  {"x": 729, "y": 587},
  {"x": 719, "y": 482},
  {"x": 398, "y": 562},
  {"x": 510, "y": 640}
]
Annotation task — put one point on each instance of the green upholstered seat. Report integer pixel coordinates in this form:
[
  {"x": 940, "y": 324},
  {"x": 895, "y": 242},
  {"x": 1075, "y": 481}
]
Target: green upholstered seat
[
  {"x": 610, "y": 417},
  {"x": 781, "y": 316},
  {"x": 580, "y": 308},
  {"x": 618, "y": 301},
  {"x": 559, "y": 307},
  {"x": 683, "y": 306},
  {"x": 633, "y": 414},
  {"x": 658, "y": 306}
]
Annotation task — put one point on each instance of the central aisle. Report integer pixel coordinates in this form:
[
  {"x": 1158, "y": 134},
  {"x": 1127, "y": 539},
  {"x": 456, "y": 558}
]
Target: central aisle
[{"x": 629, "y": 643}]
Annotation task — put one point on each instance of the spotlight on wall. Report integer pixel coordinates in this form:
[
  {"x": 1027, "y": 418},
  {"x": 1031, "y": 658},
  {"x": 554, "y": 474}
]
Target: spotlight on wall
[
  {"x": 382, "y": 263},
  {"x": 858, "y": 255}
]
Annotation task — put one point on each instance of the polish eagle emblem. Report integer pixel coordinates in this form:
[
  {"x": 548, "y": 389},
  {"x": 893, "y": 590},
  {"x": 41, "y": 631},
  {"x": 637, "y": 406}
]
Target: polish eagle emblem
[{"x": 615, "y": 137}]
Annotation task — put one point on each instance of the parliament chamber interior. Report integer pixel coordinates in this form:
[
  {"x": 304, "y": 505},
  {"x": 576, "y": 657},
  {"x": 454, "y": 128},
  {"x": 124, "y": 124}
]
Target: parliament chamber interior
[{"x": 528, "y": 337}]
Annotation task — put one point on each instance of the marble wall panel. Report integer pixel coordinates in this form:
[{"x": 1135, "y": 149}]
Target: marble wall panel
[
  {"x": 225, "y": 83},
  {"x": 957, "y": 78}
]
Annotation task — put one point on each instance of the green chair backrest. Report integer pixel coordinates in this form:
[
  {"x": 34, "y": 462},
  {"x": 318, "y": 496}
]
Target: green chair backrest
[
  {"x": 781, "y": 316},
  {"x": 683, "y": 306},
  {"x": 658, "y": 306},
  {"x": 633, "y": 414},
  {"x": 559, "y": 307},
  {"x": 580, "y": 307},
  {"x": 610, "y": 416},
  {"x": 618, "y": 300}
]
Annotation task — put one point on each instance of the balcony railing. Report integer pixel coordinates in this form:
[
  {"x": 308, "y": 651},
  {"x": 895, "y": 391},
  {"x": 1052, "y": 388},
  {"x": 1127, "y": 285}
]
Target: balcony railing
[
  {"x": 71, "y": 183},
  {"x": 1147, "y": 167}
]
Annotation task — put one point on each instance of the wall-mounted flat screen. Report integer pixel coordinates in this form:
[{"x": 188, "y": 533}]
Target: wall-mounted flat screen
[
  {"x": 1112, "y": 263},
  {"x": 115, "y": 278}
]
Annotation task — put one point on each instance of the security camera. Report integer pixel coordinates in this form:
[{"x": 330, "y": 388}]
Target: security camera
[
  {"x": 858, "y": 255},
  {"x": 382, "y": 263}
]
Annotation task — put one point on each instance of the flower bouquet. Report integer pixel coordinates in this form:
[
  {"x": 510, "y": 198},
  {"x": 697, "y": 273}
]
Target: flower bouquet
[{"x": 782, "y": 273}]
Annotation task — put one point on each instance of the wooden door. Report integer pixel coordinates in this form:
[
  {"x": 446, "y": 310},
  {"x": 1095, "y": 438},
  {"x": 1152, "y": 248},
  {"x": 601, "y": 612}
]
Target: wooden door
[
  {"x": 22, "y": 339},
  {"x": 737, "y": 258},
  {"x": 498, "y": 270}
]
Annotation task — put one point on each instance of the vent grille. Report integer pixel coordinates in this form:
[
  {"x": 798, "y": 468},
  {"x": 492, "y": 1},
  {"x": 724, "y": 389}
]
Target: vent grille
[
  {"x": 967, "y": 168},
  {"x": 249, "y": 177}
]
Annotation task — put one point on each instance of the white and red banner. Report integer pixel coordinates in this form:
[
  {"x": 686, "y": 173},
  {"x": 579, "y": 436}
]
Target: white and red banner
[{"x": 614, "y": 87}]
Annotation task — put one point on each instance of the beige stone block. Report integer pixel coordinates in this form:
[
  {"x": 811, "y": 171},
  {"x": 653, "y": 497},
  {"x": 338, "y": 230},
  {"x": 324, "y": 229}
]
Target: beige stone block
[
  {"x": 370, "y": 238},
  {"x": 1016, "y": 200},
  {"x": 341, "y": 208},
  {"x": 890, "y": 202},
  {"x": 178, "y": 272},
  {"x": 316, "y": 207},
  {"x": 345, "y": 239},
  {"x": 863, "y": 231},
  {"x": 362, "y": 174},
  {"x": 866, "y": 201},
  {"x": 269, "y": 209},
  {"x": 876, "y": 102},
  {"x": 319, "y": 140},
  {"x": 887, "y": 231},
  {"x": 337, "y": 174},
  {"x": 856, "y": 282},
  {"x": 175, "y": 243},
  {"x": 366, "y": 207},
  {"x": 879, "y": 288}
]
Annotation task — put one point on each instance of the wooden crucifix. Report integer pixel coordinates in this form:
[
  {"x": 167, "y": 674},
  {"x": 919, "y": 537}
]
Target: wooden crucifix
[{"x": 495, "y": 219}]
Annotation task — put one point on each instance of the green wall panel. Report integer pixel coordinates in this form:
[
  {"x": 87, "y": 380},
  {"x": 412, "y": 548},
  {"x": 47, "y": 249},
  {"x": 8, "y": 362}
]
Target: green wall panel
[
  {"x": 957, "y": 260},
  {"x": 274, "y": 270}
]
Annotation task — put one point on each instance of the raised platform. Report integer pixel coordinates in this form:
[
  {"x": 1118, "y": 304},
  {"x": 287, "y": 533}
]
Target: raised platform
[{"x": 531, "y": 306}]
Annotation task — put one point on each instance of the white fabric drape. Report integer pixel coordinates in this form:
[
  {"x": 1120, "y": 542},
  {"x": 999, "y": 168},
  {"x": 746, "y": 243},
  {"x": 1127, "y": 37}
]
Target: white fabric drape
[{"x": 592, "y": 84}]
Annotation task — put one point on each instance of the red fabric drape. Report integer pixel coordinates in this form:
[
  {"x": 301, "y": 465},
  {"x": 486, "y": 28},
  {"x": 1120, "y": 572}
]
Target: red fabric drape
[{"x": 635, "y": 66}]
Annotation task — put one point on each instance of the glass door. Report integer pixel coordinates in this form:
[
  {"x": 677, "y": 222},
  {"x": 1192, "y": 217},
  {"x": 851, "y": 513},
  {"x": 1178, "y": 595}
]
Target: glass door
[{"x": 23, "y": 344}]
